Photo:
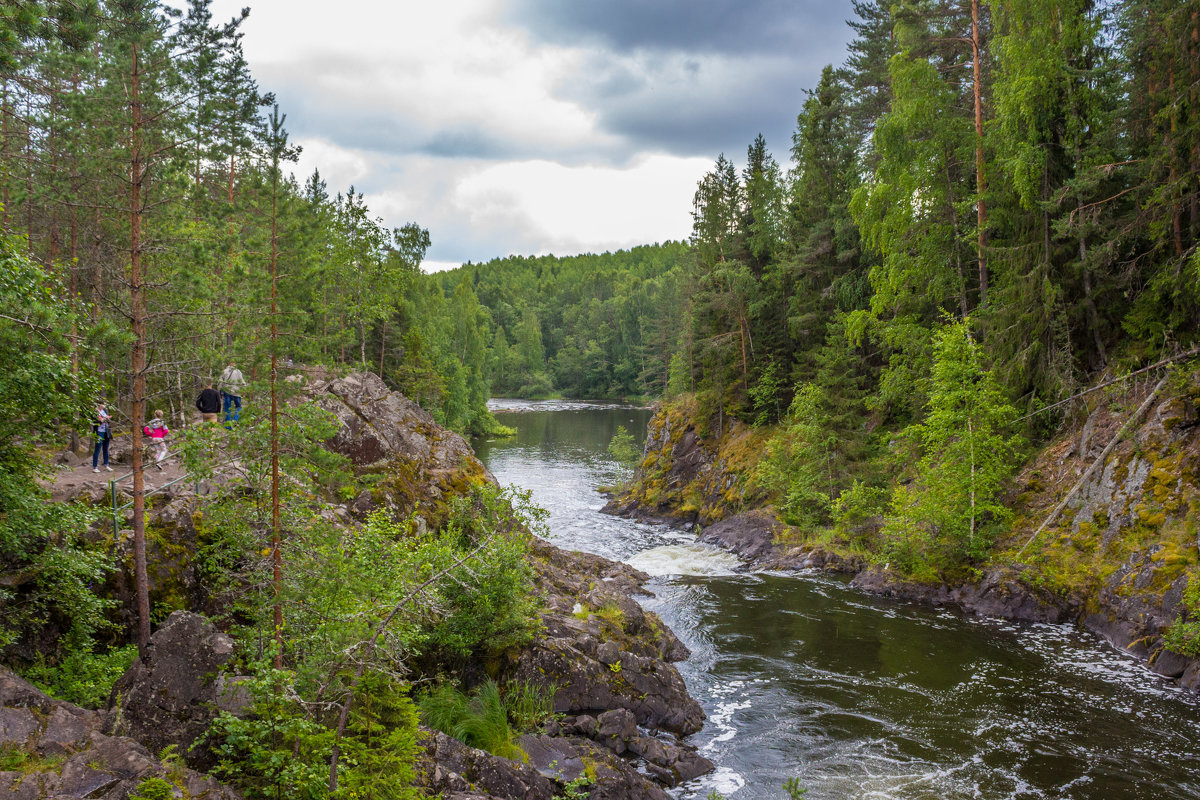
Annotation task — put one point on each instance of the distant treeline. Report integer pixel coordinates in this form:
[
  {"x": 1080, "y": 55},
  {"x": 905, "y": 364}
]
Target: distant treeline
[{"x": 589, "y": 326}]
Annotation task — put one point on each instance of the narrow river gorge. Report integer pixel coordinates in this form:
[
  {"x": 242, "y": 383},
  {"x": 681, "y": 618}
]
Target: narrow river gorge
[{"x": 856, "y": 696}]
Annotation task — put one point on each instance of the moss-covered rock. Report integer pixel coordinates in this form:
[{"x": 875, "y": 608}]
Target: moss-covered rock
[{"x": 690, "y": 474}]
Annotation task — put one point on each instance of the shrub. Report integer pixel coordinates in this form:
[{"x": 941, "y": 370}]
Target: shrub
[
  {"x": 857, "y": 506},
  {"x": 488, "y": 601},
  {"x": 153, "y": 789},
  {"x": 528, "y": 704},
  {"x": 1183, "y": 636},
  {"x": 83, "y": 677},
  {"x": 622, "y": 447},
  {"x": 280, "y": 751},
  {"x": 944, "y": 519}
]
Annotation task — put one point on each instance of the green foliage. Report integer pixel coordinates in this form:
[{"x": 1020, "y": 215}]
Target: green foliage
[
  {"x": 528, "y": 704},
  {"x": 578, "y": 789},
  {"x": 50, "y": 574},
  {"x": 279, "y": 749},
  {"x": 479, "y": 719},
  {"x": 487, "y": 601},
  {"x": 82, "y": 677},
  {"x": 794, "y": 790},
  {"x": 764, "y": 395},
  {"x": 941, "y": 519},
  {"x": 12, "y": 757},
  {"x": 623, "y": 447},
  {"x": 276, "y": 750},
  {"x": 153, "y": 789},
  {"x": 797, "y": 461},
  {"x": 1183, "y": 636},
  {"x": 593, "y": 326},
  {"x": 383, "y": 744},
  {"x": 857, "y": 506}
]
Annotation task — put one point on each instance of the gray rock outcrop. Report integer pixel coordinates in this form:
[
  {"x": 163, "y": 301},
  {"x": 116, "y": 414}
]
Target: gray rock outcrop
[
  {"x": 63, "y": 753},
  {"x": 172, "y": 696}
]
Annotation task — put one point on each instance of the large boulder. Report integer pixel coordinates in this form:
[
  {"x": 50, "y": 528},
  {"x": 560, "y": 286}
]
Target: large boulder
[
  {"x": 451, "y": 767},
  {"x": 420, "y": 464},
  {"x": 600, "y": 648},
  {"x": 750, "y": 534},
  {"x": 62, "y": 753},
  {"x": 455, "y": 770},
  {"x": 172, "y": 696}
]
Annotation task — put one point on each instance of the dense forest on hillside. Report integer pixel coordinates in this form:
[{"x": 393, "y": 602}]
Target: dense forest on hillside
[
  {"x": 985, "y": 207},
  {"x": 591, "y": 326}
]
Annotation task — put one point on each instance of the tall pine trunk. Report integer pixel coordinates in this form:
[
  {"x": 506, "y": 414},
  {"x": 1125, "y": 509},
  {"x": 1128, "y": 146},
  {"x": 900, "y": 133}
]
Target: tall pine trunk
[
  {"x": 980, "y": 179},
  {"x": 137, "y": 360}
]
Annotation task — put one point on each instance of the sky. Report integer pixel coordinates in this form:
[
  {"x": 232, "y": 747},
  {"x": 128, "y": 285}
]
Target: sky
[{"x": 532, "y": 127}]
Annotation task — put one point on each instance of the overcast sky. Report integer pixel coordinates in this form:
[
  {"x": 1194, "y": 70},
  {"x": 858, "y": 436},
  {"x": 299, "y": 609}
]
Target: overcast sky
[{"x": 536, "y": 126}]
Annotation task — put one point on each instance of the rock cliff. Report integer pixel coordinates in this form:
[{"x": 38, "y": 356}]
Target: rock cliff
[{"x": 52, "y": 749}]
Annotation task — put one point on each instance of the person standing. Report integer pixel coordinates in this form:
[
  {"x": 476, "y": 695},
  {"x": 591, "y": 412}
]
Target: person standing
[
  {"x": 157, "y": 430},
  {"x": 232, "y": 384},
  {"x": 102, "y": 432},
  {"x": 208, "y": 403}
]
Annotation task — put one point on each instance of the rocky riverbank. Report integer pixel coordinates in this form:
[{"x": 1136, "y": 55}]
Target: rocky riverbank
[
  {"x": 623, "y": 711},
  {"x": 1117, "y": 560}
]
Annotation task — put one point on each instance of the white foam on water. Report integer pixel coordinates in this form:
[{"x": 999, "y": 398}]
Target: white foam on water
[
  {"x": 723, "y": 780},
  {"x": 685, "y": 559}
]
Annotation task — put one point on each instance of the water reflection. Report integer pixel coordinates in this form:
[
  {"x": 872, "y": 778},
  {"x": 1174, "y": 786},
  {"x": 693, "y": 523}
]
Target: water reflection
[{"x": 862, "y": 698}]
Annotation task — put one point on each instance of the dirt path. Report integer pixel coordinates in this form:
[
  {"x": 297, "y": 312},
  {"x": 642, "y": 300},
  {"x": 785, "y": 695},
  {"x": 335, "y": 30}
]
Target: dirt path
[{"x": 75, "y": 477}]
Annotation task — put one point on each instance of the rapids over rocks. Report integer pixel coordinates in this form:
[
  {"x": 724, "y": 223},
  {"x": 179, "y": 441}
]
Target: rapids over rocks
[{"x": 857, "y": 696}]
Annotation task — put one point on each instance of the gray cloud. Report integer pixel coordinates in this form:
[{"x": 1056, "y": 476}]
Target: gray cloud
[
  {"x": 318, "y": 109},
  {"x": 694, "y": 78},
  {"x": 706, "y": 26},
  {"x": 684, "y": 78},
  {"x": 691, "y": 108}
]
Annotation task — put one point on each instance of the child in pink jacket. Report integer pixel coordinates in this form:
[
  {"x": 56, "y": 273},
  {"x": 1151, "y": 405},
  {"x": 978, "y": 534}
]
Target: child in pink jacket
[{"x": 157, "y": 430}]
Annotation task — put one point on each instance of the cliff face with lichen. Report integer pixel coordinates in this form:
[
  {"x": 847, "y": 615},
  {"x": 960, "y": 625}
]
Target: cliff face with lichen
[
  {"x": 1121, "y": 553},
  {"x": 1118, "y": 558},
  {"x": 693, "y": 470}
]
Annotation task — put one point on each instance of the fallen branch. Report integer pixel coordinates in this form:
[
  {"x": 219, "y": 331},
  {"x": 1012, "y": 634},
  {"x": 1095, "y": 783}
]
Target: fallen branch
[
  {"x": 1194, "y": 351},
  {"x": 1090, "y": 470}
]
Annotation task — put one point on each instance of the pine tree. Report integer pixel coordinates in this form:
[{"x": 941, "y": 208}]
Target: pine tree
[{"x": 966, "y": 453}]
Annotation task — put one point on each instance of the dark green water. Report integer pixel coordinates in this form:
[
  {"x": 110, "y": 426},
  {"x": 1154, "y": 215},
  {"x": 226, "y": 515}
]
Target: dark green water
[{"x": 858, "y": 697}]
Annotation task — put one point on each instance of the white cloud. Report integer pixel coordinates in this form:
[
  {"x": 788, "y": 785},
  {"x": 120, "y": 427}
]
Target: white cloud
[
  {"x": 428, "y": 266},
  {"x": 590, "y": 207},
  {"x": 497, "y": 141},
  {"x": 477, "y": 210}
]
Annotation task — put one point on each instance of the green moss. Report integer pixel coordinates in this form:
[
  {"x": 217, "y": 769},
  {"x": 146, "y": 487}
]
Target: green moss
[{"x": 17, "y": 759}]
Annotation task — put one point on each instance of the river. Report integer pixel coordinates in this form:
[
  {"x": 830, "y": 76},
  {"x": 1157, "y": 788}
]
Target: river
[{"x": 856, "y": 696}]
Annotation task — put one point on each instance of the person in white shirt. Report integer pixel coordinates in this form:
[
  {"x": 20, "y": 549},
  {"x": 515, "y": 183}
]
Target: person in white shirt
[{"x": 232, "y": 383}]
